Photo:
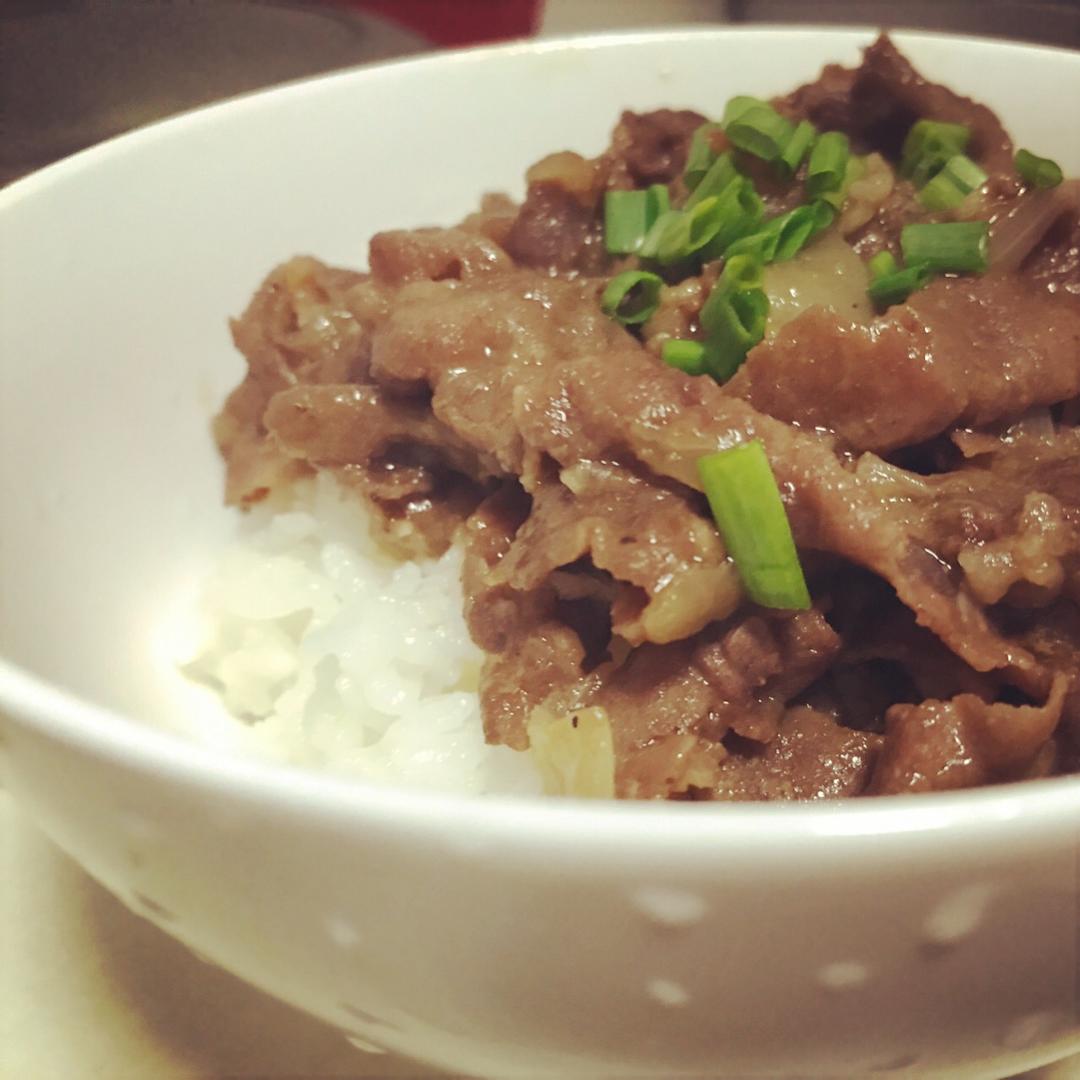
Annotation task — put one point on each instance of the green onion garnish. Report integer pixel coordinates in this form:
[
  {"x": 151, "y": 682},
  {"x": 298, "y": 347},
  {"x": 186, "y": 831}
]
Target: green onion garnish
[
  {"x": 958, "y": 178},
  {"x": 798, "y": 227},
  {"x": 666, "y": 222},
  {"x": 628, "y": 216},
  {"x": 792, "y": 155},
  {"x": 784, "y": 236},
  {"x": 828, "y": 164},
  {"x": 716, "y": 179},
  {"x": 678, "y": 234},
  {"x": 740, "y": 211},
  {"x": 854, "y": 170},
  {"x": 631, "y": 297},
  {"x": 883, "y": 263},
  {"x": 734, "y": 322},
  {"x": 896, "y": 285},
  {"x": 928, "y": 146},
  {"x": 1038, "y": 171},
  {"x": 688, "y": 356},
  {"x": 742, "y": 272},
  {"x": 746, "y": 503},
  {"x": 948, "y": 246},
  {"x": 757, "y": 128},
  {"x": 700, "y": 155},
  {"x": 738, "y": 105}
]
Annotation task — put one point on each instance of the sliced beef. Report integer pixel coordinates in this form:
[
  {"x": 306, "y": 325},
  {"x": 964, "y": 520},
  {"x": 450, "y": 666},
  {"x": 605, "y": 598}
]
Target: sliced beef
[
  {"x": 403, "y": 255},
  {"x": 643, "y": 535},
  {"x": 297, "y": 329},
  {"x": 965, "y": 742},
  {"x": 420, "y": 479},
  {"x": 962, "y": 351},
  {"x": 478, "y": 349},
  {"x": 667, "y": 422},
  {"x": 554, "y": 231},
  {"x": 812, "y": 757},
  {"x": 470, "y": 386},
  {"x": 651, "y": 148},
  {"x": 877, "y": 103},
  {"x": 889, "y": 95}
]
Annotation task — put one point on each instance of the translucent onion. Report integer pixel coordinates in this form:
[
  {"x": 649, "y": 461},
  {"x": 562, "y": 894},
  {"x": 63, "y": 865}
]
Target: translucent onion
[{"x": 1014, "y": 237}]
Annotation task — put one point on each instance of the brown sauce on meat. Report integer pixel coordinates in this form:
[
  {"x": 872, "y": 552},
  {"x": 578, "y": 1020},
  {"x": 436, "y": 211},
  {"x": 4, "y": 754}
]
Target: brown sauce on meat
[{"x": 470, "y": 388}]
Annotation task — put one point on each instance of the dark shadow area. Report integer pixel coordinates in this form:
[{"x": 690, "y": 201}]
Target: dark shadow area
[{"x": 74, "y": 72}]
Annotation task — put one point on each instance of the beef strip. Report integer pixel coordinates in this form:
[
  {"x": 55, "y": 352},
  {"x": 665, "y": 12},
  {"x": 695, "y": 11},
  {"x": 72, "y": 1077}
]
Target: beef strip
[
  {"x": 965, "y": 742},
  {"x": 877, "y": 103},
  {"x": 963, "y": 351},
  {"x": 297, "y": 329},
  {"x": 811, "y": 758},
  {"x": 643, "y": 535},
  {"x": 650, "y": 148}
]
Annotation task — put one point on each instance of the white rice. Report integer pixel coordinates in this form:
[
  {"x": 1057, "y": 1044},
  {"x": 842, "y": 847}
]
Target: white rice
[{"x": 338, "y": 656}]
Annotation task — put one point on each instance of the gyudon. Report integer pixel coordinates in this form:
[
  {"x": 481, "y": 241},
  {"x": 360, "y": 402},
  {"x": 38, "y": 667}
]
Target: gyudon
[{"x": 758, "y": 435}]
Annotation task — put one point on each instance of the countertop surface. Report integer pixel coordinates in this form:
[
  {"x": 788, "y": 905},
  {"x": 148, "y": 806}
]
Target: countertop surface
[{"x": 90, "y": 991}]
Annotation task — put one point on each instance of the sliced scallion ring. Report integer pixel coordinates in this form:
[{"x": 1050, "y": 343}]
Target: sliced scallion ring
[
  {"x": 632, "y": 296},
  {"x": 688, "y": 356},
  {"x": 1038, "y": 171}
]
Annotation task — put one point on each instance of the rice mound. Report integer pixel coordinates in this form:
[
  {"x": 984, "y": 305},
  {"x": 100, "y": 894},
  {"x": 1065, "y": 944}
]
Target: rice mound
[{"x": 338, "y": 656}]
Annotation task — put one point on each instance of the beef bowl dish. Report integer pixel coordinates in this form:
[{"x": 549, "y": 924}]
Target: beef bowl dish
[{"x": 640, "y": 633}]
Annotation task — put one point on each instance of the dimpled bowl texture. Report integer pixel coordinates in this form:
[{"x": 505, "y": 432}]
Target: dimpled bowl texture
[{"x": 493, "y": 937}]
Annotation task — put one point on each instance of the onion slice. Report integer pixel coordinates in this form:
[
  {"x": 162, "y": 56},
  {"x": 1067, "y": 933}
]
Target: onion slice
[{"x": 1016, "y": 235}]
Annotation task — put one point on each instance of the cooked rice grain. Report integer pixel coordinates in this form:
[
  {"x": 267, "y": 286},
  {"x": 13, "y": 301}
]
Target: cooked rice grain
[{"x": 340, "y": 657}]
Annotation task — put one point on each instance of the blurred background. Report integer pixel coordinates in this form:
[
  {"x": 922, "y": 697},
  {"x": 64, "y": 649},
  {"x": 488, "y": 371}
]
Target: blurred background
[{"x": 74, "y": 72}]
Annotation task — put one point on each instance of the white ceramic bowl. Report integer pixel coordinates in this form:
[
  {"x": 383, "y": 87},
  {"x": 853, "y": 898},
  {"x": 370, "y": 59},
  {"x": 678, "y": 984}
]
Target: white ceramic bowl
[{"x": 494, "y": 937}]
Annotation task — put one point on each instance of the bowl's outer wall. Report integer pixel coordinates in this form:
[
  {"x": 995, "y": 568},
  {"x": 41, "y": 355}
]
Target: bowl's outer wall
[{"x": 512, "y": 941}]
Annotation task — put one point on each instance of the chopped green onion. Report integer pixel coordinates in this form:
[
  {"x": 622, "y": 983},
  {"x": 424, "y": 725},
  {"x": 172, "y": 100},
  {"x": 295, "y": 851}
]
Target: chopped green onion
[
  {"x": 666, "y": 222},
  {"x": 792, "y": 155},
  {"x": 928, "y": 146},
  {"x": 1038, "y": 171},
  {"x": 631, "y": 297},
  {"x": 738, "y": 105},
  {"x": 895, "y": 286},
  {"x": 717, "y": 178},
  {"x": 958, "y": 178},
  {"x": 740, "y": 210},
  {"x": 757, "y": 128},
  {"x": 948, "y": 246},
  {"x": 688, "y": 356},
  {"x": 854, "y": 170},
  {"x": 742, "y": 272},
  {"x": 628, "y": 216},
  {"x": 624, "y": 221},
  {"x": 800, "y": 227},
  {"x": 828, "y": 164},
  {"x": 783, "y": 237},
  {"x": 746, "y": 503},
  {"x": 734, "y": 321},
  {"x": 657, "y": 202},
  {"x": 700, "y": 155},
  {"x": 680, "y": 233},
  {"x": 883, "y": 263}
]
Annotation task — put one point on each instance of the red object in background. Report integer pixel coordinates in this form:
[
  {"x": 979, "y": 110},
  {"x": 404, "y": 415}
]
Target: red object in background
[{"x": 459, "y": 22}]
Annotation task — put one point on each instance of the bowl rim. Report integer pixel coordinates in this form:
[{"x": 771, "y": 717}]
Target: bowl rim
[{"x": 1045, "y": 806}]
